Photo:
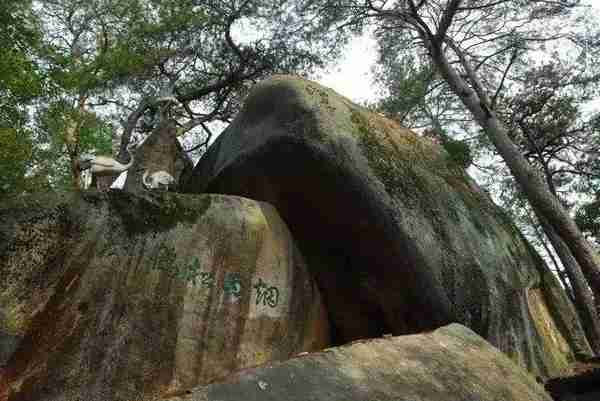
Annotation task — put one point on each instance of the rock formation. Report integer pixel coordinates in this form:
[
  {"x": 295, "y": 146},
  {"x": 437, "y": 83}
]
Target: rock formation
[
  {"x": 109, "y": 297},
  {"x": 357, "y": 229},
  {"x": 399, "y": 239},
  {"x": 582, "y": 385},
  {"x": 449, "y": 364},
  {"x": 161, "y": 151}
]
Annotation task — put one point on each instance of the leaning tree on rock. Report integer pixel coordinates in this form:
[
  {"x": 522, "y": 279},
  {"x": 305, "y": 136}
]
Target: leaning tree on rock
[{"x": 470, "y": 44}]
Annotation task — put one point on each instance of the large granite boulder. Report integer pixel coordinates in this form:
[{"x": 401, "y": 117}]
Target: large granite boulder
[
  {"x": 118, "y": 297},
  {"x": 399, "y": 238},
  {"x": 449, "y": 364}
]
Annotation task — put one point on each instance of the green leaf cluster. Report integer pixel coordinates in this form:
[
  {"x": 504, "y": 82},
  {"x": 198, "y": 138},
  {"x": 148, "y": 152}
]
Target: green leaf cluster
[
  {"x": 459, "y": 152},
  {"x": 17, "y": 164},
  {"x": 20, "y": 77},
  {"x": 21, "y": 83},
  {"x": 587, "y": 218}
]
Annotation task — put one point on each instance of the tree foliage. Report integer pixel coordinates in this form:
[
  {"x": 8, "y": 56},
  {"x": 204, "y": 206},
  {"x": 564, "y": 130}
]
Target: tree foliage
[
  {"x": 21, "y": 82},
  {"x": 108, "y": 61}
]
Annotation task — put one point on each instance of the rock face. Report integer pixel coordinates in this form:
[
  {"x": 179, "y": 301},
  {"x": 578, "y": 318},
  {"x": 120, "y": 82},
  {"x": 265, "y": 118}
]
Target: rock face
[
  {"x": 449, "y": 364},
  {"x": 119, "y": 297},
  {"x": 583, "y": 387},
  {"x": 399, "y": 239},
  {"x": 161, "y": 151}
]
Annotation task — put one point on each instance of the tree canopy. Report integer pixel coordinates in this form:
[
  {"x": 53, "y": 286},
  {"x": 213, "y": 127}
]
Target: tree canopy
[
  {"x": 104, "y": 64},
  {"x": 21, "y": 81}
]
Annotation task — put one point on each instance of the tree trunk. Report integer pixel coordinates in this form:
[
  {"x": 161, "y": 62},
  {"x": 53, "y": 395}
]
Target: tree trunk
[
  {"x": 72, "y": 144},
  {"x": 75, "y": 172},
  {"x": 560, "y": 273},
  {"x": 583, "y": 299},
  {"x": 72, "y": 138},
  {"x": 535, "y": 189},
  {"x": 584, "y": 302}
]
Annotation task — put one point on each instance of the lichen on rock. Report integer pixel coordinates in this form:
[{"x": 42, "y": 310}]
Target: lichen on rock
[
  {"x": 398, "y": 236},
  {"x": 119, "y": 297},
  {"x": 451, "y": 363}
]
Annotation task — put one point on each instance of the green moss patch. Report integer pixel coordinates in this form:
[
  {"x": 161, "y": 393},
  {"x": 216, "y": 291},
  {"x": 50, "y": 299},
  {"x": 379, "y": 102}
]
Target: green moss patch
[
  {"x": 404, "y": 166},
  {"x": 157, "y": 212}
]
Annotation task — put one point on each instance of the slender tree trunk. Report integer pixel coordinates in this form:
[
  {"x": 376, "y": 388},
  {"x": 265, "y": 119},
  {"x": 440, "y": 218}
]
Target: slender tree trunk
[
  {"x": 72, "y": 143},
  {"x": 535, "y": 189},
  {"x": 584, "y": 302},
  {"x": 72, "y": 139},
  {"x": 560, "y": 273},
  {"x": 76, "y": 173},
  {"x": 583, "y": 298}
]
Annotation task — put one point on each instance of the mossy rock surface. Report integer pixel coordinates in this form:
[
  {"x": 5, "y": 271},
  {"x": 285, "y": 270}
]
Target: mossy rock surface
[
  {"x": 122, "y": 297},
  {"x": 449, "y": 364},
  {"x": 399, "y": 238}
]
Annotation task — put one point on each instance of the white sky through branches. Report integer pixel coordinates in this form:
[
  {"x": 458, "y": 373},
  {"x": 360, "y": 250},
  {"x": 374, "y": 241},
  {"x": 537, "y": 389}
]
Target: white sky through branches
[{"x": 353, "y": 77}]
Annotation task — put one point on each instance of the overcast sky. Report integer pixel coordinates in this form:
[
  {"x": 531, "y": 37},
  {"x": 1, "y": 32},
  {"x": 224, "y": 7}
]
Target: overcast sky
[{"x": 352, "y": 76}]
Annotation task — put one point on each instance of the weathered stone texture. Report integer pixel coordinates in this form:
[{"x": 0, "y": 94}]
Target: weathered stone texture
[
  {"x": 161, "y": 151},
  {"x": 449, "y": 364},
  {"x": 400, "y": 239},
  {"x": 119, "y": 297}
]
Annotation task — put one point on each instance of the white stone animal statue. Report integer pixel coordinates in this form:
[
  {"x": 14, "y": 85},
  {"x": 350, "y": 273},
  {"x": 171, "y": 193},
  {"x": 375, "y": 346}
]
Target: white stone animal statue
[
  {"x": 105, "y": 165},
  {"x": 158, "y": 180}
]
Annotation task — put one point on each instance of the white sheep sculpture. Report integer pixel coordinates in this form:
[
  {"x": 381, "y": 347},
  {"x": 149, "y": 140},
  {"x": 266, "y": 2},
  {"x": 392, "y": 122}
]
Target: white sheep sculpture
[{"x": 157, "y": 180}]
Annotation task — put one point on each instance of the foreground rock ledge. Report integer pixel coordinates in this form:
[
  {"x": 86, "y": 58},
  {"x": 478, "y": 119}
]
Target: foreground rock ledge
[
  {"x": 399, "y": 238},
  {"x": 109, "y": 297},
  {"x": 449, "y": 364}
]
